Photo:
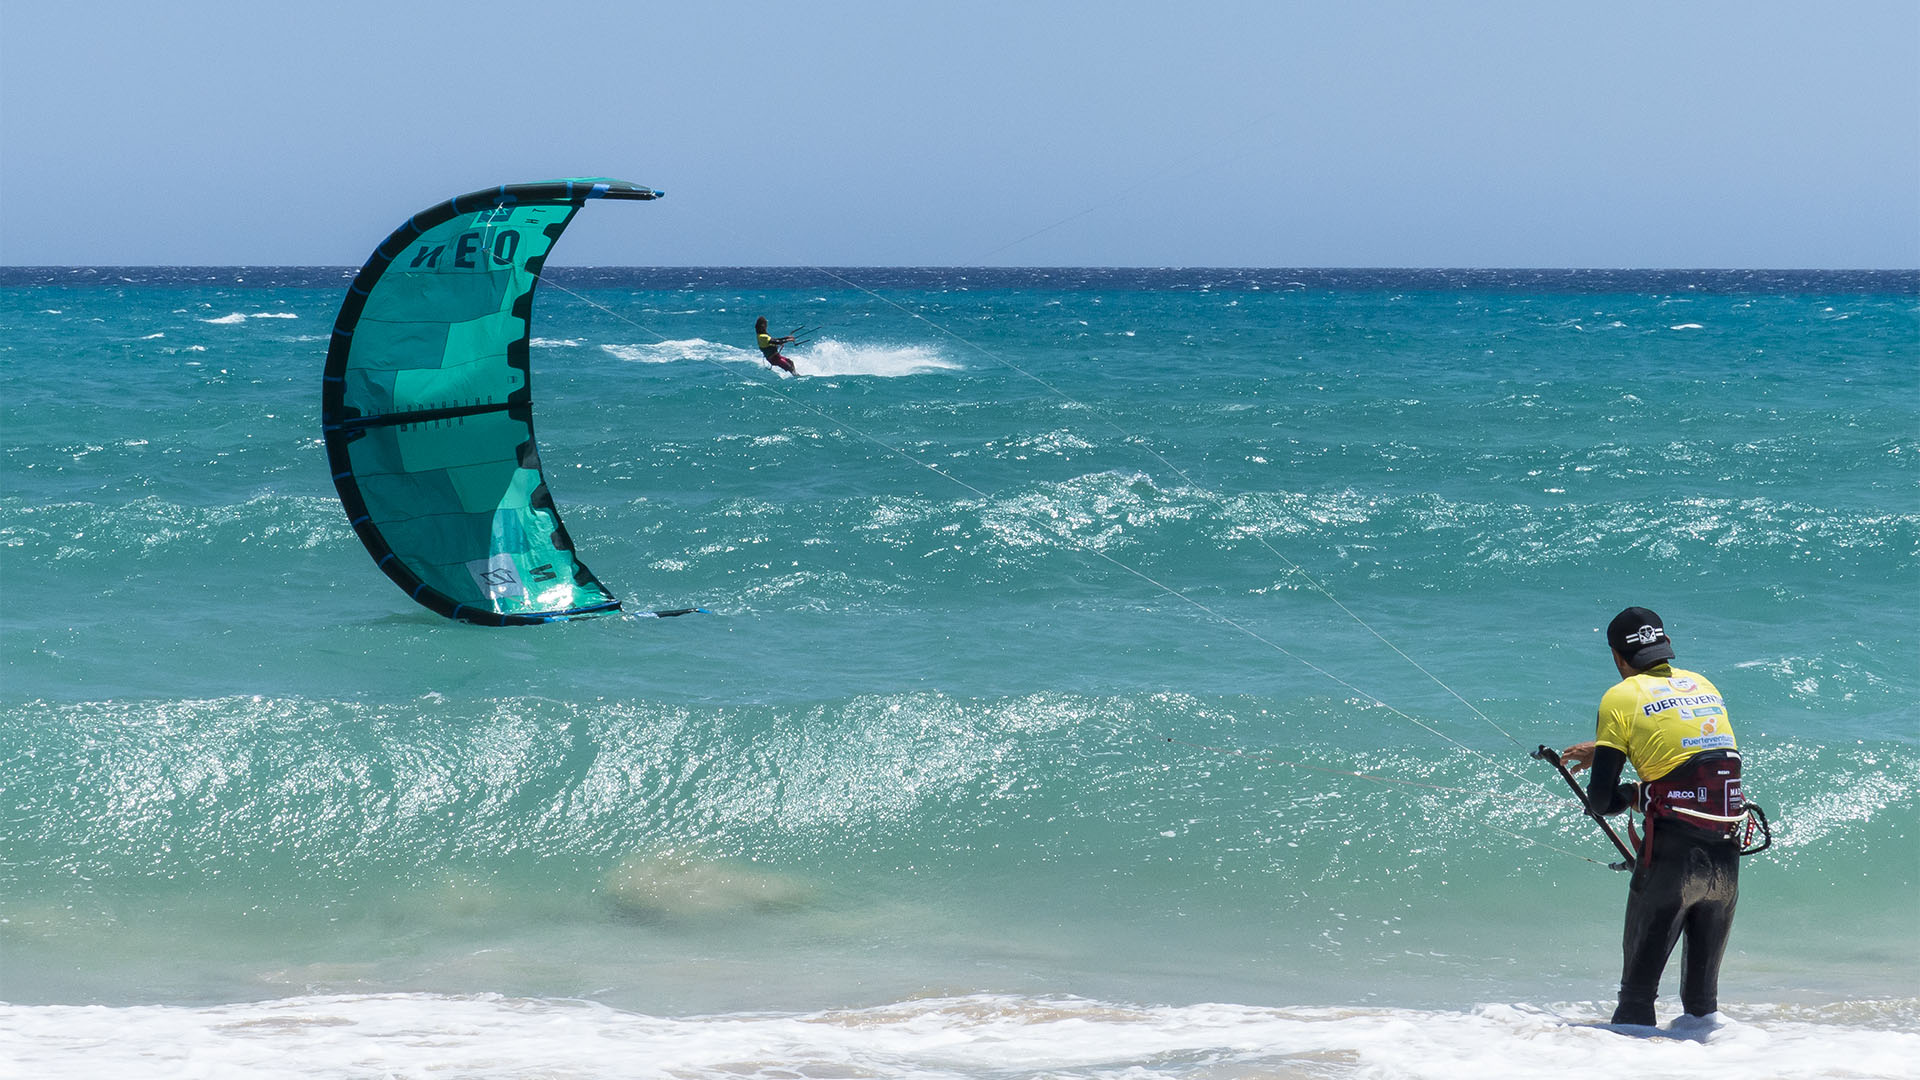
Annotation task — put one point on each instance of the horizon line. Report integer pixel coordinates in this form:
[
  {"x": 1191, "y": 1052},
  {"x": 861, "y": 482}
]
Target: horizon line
[{"x": 5, "y": 266}]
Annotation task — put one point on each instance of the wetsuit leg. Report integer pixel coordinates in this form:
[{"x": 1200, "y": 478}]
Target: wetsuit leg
[
  {"x": 1654, "y": 921},
  {"x": 1713, "y": 892},
  {"x": 1687, "y": 885}
]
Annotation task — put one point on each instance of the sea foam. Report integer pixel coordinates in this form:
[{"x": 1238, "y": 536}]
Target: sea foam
[{"x": 485, "y": 1036}]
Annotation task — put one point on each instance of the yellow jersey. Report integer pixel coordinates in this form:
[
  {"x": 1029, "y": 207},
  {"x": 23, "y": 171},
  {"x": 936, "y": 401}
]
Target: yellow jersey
[{"x": 1661, "y": 717}]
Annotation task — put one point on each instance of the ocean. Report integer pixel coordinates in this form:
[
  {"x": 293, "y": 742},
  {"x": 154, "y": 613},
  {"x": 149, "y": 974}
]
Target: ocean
[{"x": 1102, "y": 674}]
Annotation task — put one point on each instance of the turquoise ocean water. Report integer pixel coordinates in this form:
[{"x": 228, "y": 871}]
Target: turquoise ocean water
[{"x": 1108, "y": 673}]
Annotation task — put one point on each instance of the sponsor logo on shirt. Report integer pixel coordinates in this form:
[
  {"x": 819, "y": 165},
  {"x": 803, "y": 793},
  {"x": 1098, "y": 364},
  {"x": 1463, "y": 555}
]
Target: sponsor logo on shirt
[
  {"x": 1678, "y": 701},
  {"x": 1707, "y": 742}
]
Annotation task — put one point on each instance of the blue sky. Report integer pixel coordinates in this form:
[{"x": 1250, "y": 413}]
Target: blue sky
[{"x": 1667, "y": 134}]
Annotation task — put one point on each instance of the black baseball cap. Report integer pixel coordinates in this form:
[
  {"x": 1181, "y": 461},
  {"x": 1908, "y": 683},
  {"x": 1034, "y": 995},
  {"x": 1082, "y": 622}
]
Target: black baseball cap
[{"x": 1639, "y": 637}]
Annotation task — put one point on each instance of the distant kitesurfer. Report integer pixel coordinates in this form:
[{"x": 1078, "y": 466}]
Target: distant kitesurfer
[
  {"x": 770, "y": 346},
  {"x": 1673, "y": 726}
]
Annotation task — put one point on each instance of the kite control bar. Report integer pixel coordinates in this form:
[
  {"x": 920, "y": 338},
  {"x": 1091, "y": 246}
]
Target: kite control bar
[{"x": 1552, "y": 757}]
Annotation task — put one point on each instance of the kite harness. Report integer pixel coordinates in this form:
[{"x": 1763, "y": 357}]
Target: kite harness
[{"x": 1703, "y": 793}]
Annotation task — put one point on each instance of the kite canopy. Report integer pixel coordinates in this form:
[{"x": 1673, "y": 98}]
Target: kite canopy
[{"x": 427, "y": 410}]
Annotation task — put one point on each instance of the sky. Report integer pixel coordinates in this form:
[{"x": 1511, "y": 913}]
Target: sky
[{"x": 1028, "y": 133}]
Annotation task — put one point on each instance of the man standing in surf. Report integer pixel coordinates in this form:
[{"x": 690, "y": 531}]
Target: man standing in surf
[{"x": 1673, "y": 726}]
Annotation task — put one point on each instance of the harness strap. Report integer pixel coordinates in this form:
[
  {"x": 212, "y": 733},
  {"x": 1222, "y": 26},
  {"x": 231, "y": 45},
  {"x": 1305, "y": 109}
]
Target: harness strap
[{"x": 1723, "y": 818}]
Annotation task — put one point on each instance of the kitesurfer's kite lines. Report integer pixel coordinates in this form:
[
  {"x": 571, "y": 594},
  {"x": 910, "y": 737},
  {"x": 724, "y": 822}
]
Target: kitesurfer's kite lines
[{"x": 427, "y": 409}]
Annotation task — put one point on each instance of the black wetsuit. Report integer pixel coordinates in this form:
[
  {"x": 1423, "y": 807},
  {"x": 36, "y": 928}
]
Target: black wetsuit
[{"x": 1686, "y": 883}]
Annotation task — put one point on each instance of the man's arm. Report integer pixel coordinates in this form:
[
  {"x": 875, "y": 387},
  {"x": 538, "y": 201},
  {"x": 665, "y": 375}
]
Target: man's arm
[{"x": 1605, "y": 793}]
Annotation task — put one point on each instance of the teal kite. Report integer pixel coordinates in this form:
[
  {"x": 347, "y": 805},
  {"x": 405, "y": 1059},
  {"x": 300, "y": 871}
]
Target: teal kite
[{"x": 427, "y": 409}]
